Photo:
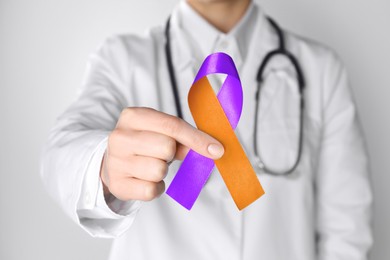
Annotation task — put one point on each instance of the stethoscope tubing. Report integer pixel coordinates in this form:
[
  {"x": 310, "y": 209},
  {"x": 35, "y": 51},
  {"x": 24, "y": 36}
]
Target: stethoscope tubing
[{"x": 281, "y": 50}]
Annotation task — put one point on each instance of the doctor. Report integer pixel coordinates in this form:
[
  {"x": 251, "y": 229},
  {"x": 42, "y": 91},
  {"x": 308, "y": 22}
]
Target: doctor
[{"x": 115, "y": 149}]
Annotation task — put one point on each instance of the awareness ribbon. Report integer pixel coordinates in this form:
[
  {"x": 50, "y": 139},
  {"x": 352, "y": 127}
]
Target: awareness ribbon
[{"x": 218, "y": 116}]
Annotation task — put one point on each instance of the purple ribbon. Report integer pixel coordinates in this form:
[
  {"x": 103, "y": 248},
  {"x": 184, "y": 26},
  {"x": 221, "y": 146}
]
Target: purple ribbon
[{"x": 195, "y": 168}]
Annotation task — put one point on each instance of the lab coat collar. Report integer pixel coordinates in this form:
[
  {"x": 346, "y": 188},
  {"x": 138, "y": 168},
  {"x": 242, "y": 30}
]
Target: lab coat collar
[
  {"x": 196, "y": 28},
  {"x": 207, "y": 36},
  {"x": 196, "y": 38}
]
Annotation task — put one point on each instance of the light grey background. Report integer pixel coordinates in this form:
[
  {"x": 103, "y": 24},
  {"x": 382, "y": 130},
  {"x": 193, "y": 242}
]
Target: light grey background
[{"x": 43, "y": 49}]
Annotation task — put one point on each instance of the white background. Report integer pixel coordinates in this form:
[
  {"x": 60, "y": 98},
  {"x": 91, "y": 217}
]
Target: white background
[{"x": 43, "y": 49}]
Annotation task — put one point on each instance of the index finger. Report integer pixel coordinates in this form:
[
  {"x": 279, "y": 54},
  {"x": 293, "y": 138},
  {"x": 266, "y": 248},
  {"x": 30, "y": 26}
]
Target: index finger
[{"x": 184, "y": 133}]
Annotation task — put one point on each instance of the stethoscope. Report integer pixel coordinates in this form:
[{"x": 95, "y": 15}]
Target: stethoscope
[{"x": 281, "y": 50}]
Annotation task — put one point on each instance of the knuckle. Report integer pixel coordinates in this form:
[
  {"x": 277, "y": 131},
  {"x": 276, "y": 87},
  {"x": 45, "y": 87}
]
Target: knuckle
[
  {"x": 150, "y": 191},
  {"x": 114, "y": 187},
  {"x": 130, "y": 116},
  {"x": 128, "y": 112},
  {"x": 122, "y": 140},
  {"x": 145, "y": 110},
  {"x": 133, "y": 112},
  {"x": 115, "y": 136},
  {"x": 161, "y": 171},
  {"x": 198, "y": 139},
  {"x": 172, "y": 125},
  {"x": 169, "y": 149}
]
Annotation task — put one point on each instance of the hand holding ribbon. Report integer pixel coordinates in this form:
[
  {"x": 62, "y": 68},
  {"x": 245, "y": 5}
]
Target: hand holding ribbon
[{"x": 218, "y": 116}]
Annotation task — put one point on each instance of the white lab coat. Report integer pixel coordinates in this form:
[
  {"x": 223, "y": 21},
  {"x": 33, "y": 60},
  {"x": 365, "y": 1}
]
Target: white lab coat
[{"x": 321, "y": 211}]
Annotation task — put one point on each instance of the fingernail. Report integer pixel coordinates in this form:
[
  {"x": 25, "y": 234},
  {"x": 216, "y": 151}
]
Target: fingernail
[{"x": 216, "y": 150}]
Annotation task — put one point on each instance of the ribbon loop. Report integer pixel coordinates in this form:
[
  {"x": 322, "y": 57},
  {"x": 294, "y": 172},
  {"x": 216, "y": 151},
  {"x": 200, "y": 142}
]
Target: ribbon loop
[{"x": 218, "y": 116}]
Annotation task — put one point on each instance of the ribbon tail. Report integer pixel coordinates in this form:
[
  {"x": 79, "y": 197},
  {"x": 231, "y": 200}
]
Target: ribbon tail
[{"x": 190, "y": 179}]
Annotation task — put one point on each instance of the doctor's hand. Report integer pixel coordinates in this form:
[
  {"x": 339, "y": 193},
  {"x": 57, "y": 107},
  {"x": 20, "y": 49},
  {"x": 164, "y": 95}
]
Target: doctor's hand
[{"x": 140, "y": 148}]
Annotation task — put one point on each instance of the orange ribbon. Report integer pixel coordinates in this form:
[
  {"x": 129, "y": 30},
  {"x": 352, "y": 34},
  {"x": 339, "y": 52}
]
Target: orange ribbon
[
  {"x": 234, "y": 166},
  {"x": 217, "y": 116}
]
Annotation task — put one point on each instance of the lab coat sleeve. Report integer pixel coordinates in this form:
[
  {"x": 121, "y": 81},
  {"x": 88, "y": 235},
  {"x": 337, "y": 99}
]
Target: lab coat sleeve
[
  {"x": 72, "y": 156},
  {"x": 95, "y": 212},
  {"x": 344, "y": 195}
]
